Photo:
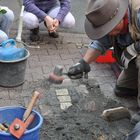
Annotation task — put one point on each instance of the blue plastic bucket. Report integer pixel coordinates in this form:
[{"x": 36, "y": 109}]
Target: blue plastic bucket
[{"x": 9, "y": 113}]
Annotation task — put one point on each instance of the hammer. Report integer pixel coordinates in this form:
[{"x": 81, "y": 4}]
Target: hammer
[{"x": 56, "y": 76}]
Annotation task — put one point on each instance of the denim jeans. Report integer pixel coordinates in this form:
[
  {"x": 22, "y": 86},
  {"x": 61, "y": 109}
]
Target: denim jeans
[{"x": 6, "y": 21}]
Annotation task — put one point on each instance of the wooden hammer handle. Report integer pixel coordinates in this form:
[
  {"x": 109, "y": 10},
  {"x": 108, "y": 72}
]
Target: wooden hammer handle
[
  {"x": 31, "y": 104},
  {"x": 29, "y": 120}
]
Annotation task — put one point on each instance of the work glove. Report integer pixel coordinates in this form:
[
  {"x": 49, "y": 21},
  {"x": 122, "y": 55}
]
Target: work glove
[{"x": 79, "y": 70}]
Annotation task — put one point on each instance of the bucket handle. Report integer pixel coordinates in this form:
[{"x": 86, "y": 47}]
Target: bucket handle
[{"x": 8, "y": 41}]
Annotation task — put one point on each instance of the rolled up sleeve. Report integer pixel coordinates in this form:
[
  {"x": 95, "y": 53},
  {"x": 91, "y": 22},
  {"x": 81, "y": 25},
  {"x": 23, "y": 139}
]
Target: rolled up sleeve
[{"x": 102, "y": 44}]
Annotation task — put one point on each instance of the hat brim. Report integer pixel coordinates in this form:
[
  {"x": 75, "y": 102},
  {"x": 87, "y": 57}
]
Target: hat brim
[{"x": 97, "y": 33}]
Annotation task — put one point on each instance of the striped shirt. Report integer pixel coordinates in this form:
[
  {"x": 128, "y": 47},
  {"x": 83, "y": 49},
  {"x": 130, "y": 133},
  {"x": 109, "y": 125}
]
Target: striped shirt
[{"x": 41, "y": 7}]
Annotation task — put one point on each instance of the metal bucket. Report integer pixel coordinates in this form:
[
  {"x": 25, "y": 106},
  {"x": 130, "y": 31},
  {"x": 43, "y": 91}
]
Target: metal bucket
[{"x": 12, "y": 73}]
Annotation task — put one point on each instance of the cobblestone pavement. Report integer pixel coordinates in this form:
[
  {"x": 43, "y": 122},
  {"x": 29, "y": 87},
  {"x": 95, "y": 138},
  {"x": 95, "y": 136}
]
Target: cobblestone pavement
[{"x": 44, "y": 55}]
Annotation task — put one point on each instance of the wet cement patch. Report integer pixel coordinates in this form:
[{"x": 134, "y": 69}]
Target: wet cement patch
[{"x": 82, "y": 120}]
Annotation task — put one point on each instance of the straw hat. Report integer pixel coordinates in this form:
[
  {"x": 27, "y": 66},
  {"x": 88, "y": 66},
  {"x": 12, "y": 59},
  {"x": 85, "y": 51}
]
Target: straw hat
[{"x": 103, "y": 15}]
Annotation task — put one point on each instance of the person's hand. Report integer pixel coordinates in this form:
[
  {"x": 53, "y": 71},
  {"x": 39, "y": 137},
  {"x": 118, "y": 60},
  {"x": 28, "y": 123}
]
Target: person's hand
[
  {"x": 79, "y": 70},
  {"x": 50, "y": 23},
  {"x": 56, "y": 23}
]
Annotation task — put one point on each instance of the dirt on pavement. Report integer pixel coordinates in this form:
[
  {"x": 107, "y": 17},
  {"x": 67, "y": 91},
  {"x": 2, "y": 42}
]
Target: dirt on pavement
[{"x": 82, "y": 120}]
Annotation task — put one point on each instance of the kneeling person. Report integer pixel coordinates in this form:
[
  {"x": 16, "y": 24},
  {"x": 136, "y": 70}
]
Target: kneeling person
[{"x": 50, "y": 12}]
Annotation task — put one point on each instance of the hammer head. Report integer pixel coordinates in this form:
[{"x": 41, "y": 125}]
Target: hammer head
[{"x": 56, "y": 76}]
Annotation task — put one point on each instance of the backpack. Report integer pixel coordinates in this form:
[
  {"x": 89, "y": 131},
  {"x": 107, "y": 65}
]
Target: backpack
[{"x": 133, "y": 27}]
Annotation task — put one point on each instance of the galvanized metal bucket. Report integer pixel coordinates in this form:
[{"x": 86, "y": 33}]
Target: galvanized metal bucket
[{"x": 12, "y": 73}]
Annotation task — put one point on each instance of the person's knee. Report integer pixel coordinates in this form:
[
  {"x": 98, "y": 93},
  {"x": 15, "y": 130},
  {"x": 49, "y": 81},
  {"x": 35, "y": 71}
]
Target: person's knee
[
  {"x": 69, "y": 21},
  {"x": 30, "y": 21},
  {"x": 3, "y": 36}
]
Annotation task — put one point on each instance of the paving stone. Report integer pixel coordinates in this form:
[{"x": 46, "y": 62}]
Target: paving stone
[
  {"x": 49, "y": 57},
  {"x": 47, "y": 69},
  {"x": 35, "y": 64},
  {"x": 82, "y": 89},
  {"x": 66, "y": 56},
  {"x": 62, "y": 92},
  {"x": 33, "y": 58},
  {"x": 59, "y": 51},
  {"x": 28, "y": 77},
  {"x": 10, "y": 102},
  {"x": 37, "y": 76},
  {"x": 38, "y": 51},
  {"x": 62, "y": 62},
  {"x": 64, "y": 99},
  {"x": 65, "y": 106},
  {"x": 4, "y": 94},
  {"x": 37, "y": 70}
]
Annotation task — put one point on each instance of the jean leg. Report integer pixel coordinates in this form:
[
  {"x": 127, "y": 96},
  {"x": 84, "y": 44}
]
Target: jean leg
[
  {"x": 30, "y": 21},
  {"x": 6, "y": 21}
]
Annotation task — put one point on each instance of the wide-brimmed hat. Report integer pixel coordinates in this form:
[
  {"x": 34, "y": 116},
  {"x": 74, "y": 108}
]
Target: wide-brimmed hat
[{"x": 103, "y": 15}]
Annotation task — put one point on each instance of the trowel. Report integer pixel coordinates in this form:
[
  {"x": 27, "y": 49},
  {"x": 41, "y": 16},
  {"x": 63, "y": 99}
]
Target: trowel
[{"x": 18, "y": 127}]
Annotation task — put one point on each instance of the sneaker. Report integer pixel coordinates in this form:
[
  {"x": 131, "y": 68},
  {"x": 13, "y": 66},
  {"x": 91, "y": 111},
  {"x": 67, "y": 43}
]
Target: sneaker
[
  {"x": 123, "y": 91},
  {"x": 53, "y": 34},
  {"x": 34, "y": 34}
]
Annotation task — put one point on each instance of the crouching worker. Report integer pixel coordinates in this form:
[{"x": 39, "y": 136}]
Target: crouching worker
[
  {"x": 114, "y": 23},
  {"x": 52, "y": 13},
  {"x": 6, "y": 20}
]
